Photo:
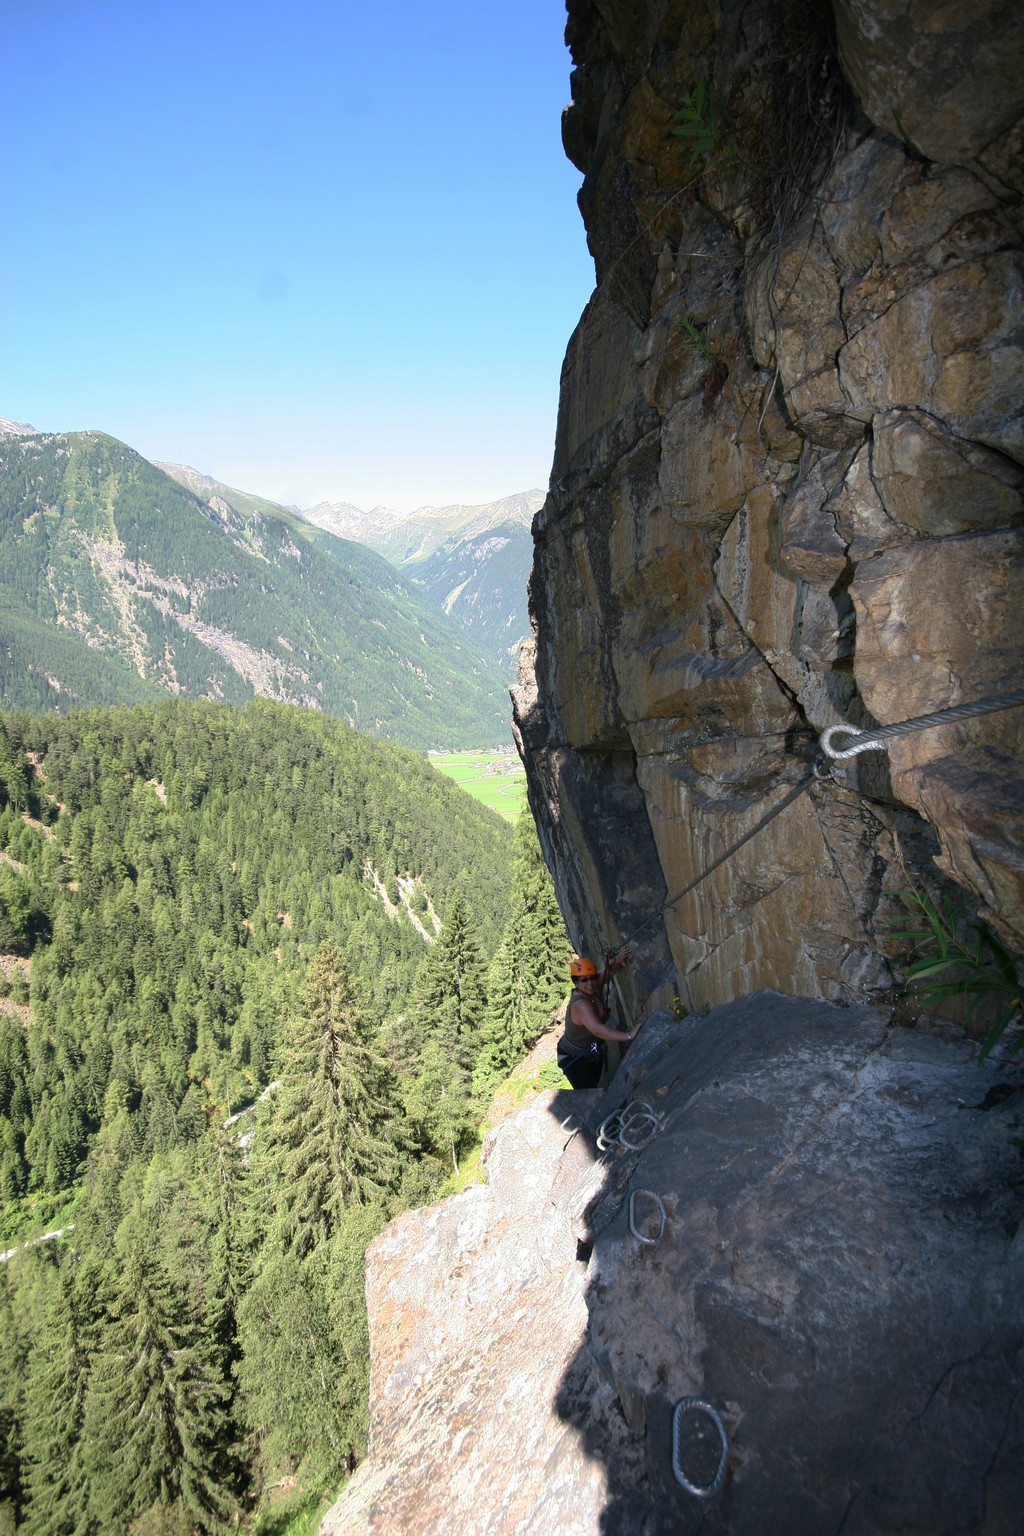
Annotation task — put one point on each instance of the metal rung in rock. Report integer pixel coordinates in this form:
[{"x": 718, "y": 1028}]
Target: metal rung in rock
[
  {"x": 696, "y": 1405},
  {"x": 643, "y": 1237},
  {"x": 632, "y": 1127}
]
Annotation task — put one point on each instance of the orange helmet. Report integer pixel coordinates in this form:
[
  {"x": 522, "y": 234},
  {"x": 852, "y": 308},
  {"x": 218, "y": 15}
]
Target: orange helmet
[{"x": 581, "y": 967}]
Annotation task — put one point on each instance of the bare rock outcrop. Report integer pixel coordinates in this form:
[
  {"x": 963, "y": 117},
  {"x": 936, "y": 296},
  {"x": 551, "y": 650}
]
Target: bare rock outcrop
[
  {"x": 840, "y": 1277},
  {"x": 787, "y": 487},
  {"x": 787, "y": 493}
]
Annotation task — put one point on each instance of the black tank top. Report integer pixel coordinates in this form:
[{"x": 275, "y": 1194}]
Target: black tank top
[{"x": 577, "y": 1034}]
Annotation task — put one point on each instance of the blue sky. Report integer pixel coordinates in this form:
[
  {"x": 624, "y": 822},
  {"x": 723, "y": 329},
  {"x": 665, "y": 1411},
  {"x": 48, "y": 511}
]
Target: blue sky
[{"x": 328, "y": 250}]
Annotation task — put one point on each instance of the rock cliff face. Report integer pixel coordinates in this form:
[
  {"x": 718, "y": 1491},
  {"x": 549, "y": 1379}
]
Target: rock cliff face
[
  {"x": 839, "y": 1275},
  {"x": 787, "y": 484},
  {"x": 786, "y": 493}
]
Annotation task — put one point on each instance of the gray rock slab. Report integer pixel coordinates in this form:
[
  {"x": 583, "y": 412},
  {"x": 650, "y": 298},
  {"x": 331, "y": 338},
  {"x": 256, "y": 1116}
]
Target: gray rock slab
[{"x": 841, "y": 1277}]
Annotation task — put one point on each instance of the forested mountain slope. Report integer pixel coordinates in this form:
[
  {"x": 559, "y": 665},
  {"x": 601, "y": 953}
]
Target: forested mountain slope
[
  {"x": 479, "y": 579},
  {"x": 192, "y": 917},
  {"x": 117, "y": 583},
  {"x": 473, "y": 561}
]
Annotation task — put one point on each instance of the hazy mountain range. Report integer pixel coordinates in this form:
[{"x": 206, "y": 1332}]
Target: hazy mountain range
[
  {"x": 120, "y": 579},
  {"x": 406, "y": 537},
  {"x": 474, "y": 561}
]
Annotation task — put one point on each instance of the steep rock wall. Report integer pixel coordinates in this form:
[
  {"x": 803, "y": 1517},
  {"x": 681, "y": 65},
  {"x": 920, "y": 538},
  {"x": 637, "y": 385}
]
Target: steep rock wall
[
  {"x": 787, "y": 485},
  {"x": 786, "y": 492}
]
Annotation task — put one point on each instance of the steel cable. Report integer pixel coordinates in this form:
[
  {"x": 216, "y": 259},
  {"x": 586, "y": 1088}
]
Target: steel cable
[{"x": 868, "y": 741}]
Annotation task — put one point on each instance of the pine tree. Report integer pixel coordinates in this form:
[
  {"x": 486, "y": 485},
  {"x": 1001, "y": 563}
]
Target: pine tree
[
  {"x": 346, "y": 1304},
  {"x": 15, "y": 774},
  {"x": 527, "y": 978},
  {"x": 54, "y": 1478},
  {"x": 438, "y": 1104},
  {"x": 12, "y": 1373},
  {"x": 296, "y": 1385},
  {"x": 328, "y": 1132},
  {"x": 154, "y": 1415},
  {"x": 449, "y": 995}
]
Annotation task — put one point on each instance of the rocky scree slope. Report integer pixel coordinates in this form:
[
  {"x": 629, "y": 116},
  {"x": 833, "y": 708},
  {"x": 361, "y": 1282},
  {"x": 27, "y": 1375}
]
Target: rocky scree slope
[{"x": 787, "y": 485}]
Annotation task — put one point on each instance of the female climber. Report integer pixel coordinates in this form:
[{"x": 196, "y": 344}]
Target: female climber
[{"x": 581, "y": 1048}]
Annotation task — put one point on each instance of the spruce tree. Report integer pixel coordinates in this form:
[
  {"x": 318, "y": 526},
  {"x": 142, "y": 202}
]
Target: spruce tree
[
  {"x": 13, "y": 1355},
  {"x": 438, "y": 1104},
  {"x": 527, "y": 978},
  {"x": 54, "y": 1478},
  {"x": 292, "y": 1379},
  {"x": 154, "y": 1416},
  {"x": 449, "y": 995},
  {"x": 327, "y": 1140}
]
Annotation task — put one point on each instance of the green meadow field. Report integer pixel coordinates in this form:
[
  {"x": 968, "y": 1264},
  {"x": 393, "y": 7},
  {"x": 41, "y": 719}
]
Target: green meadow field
[{"x": 493, "y": 778}]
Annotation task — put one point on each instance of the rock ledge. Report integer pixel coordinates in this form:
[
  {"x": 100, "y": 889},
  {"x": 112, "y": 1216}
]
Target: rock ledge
[{"x": 842, "y": 1276}]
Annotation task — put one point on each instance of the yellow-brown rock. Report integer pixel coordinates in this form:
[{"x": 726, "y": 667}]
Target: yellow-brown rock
[{"x": 787, "y": 488}]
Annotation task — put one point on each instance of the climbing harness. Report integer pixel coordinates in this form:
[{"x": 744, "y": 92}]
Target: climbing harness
[
  {"x": 869, "y": 741},
  {"x": 698, "y": 1405},
  {"x": 645, "y": 1237}
]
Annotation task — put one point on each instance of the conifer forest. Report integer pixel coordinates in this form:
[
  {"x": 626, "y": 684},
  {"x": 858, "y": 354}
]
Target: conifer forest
[{"x": 259, "y": 976}]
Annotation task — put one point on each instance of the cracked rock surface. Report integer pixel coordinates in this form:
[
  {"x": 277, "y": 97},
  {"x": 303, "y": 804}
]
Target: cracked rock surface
[{"x": 787, "y": 485}]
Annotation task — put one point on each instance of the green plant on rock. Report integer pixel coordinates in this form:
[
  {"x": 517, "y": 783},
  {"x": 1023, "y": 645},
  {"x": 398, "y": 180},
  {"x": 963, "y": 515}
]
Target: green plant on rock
[
  {"x": 948, "y": 966},
  {"x": 697, "y": 122},
  {"x": 698, "y": 335}
]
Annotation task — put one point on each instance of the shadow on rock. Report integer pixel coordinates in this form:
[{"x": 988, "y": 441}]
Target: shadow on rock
[{"x": 839, "y": 1275}]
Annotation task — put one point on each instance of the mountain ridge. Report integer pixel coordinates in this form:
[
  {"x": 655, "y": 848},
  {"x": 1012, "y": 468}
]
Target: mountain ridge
[
  {"x": 408, "y": 537},
  {"x": 472, "y": 560},
  {"x": 108, "y": 560}
]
